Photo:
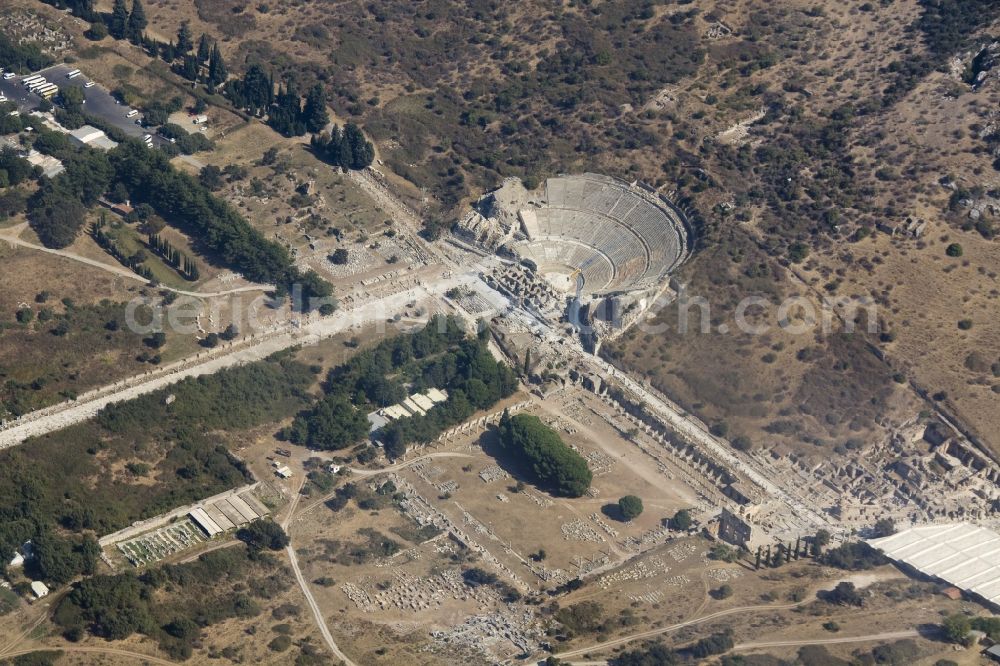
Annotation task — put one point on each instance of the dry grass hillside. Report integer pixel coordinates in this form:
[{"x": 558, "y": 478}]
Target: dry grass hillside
[{"x": 797, "y": 128}]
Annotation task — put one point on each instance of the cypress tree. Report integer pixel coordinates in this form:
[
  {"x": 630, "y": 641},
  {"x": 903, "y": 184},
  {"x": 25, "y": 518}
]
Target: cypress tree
[
  {"x": 204, "y": 49},
  {"x": 119, "y": 20},
  {"x": 314, "y": 115},
  {"x": 136, "y": 22},
  {"x": 217, "y": 73},
  {"x": 184, "y": 43}
]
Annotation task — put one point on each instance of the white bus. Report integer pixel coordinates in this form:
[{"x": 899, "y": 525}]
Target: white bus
[
  {"x": 38, "y": 84},
  {"x": 49, "y": 93},
  {"x": 50, "y": 88},
  {"x": 132, "y": 114},
  {"x": 31, "y": 79},
  {"x": 70, "y": 75}
]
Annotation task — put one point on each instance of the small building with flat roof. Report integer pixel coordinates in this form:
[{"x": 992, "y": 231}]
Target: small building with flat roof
[
  {"x": 412, "y": 407},
  {"x": 437, "y": 395},
  {"x": 39, "y": 589},
  {"x": 422, "y": 401},
  {"x": 88, "y": 135}
]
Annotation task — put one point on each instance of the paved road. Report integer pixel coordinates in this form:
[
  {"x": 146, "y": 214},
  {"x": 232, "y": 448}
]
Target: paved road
[
  {"x": 71, "y": 412},
  {"x": 886, "y": 636},
  {"x": 98, "y": 101},
  {"x": 686, "y": 426}
]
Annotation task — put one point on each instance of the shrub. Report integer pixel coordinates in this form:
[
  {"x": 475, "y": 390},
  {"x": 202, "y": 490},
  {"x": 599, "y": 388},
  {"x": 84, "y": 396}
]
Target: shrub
[
  {"x": 280, "y": 643},
  {"x": 954, "y": 250}
]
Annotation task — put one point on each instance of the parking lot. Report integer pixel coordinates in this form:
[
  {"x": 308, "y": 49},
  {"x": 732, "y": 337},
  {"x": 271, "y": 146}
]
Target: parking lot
[{"x": 98, "y": 101}]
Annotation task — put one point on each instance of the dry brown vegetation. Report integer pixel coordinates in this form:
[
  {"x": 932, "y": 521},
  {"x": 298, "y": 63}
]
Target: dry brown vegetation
[{"x": 859, "y": 129}]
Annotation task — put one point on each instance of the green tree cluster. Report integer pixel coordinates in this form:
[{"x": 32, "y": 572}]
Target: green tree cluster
[
  {"x": 553, "y": 465},
  {"x": 263, "y": 535},
  {"x": 181, "y": 200},
  {"x": 21, "y": 57},
  {"x": 439, "y": 355},
  {"x": 347, "y": 148},
  {"x": 170, "y": 604},
  {"x": 14, "y": 169}
]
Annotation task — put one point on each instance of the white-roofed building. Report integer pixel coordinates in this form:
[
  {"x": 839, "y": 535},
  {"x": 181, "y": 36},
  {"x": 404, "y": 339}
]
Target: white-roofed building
[
  {"x": 376, "y": 421},
  {"x": 422, "y": 401},
  {"x": 437, "y": 395},
  {"x": 412, "y": 407},
  {"x": 89, "y": 135},
  {"x": 962, "y": 554},
  {"x": 50, "y": 166},
  {"x": 39, "y": 589},
  {"x": 205, "y": 522}
]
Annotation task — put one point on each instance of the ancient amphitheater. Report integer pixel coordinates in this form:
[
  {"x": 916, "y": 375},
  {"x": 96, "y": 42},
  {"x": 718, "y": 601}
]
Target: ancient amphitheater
[{"x": 597, "y": 235}]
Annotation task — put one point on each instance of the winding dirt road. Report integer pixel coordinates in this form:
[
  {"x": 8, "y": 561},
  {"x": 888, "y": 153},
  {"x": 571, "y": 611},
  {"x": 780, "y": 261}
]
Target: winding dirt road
[
  {"x": 12, "y": 236},
  {"x": 652, "y": 633}
]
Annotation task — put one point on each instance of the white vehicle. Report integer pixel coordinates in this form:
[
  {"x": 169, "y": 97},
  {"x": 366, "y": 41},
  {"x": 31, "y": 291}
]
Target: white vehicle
[
  {"x": 70, "y": 75},
  {"x": 132, "y": 114},
  {"x": 2, "y": 99},
  {"x": 31, "y": 79},
  {"x": 89, "y": 84},
  {"x": 35, "y": 85},
  {"x": 9, "y": 75},
  {"x": 147, "y": 137}
]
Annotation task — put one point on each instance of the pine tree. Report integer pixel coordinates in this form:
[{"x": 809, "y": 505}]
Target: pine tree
[
  {"x": 314, "y": 115},
  {"x": 527, "y": 361},
  {"x": 204, "y": 49},
  {"x": 184, "y": 43},
  {"x": 119, "y": 20},
  {"x": 756, "y": 564},
  {"x": 217, "y": 73},
  {"x": 136, "y": 22}
]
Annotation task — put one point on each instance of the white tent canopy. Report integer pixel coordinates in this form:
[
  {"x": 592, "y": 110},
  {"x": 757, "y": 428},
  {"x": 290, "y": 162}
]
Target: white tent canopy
[{"x": 965, "y": 555}]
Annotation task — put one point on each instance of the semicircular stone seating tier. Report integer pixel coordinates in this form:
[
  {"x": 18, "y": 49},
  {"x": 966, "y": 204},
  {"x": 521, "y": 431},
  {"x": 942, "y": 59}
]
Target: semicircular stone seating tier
[{"x": 618, "y": 238}]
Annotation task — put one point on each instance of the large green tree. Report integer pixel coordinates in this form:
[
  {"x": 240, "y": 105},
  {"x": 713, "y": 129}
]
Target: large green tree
[
  {"x": 630, "y": 507},
  {"x": 56, "y": 215}
]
